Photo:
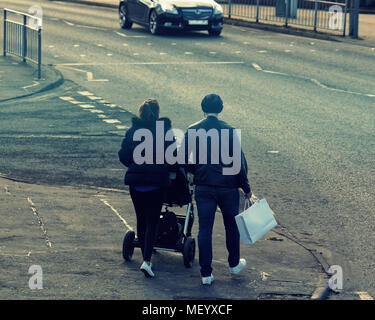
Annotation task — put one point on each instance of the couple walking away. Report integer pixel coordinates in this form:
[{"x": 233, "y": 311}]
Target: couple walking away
[{"x": 212, "y": 188}]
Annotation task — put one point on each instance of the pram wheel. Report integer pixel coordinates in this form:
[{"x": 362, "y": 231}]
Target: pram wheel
[
  {"x": 189, "y": 252},
  {"x": 128, "y": 245}
]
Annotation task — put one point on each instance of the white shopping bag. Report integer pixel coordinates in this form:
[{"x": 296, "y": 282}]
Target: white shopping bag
[{"x": 255, "y": 221}]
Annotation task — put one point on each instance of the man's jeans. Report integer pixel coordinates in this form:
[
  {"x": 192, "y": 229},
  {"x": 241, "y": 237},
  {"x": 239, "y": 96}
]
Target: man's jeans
[{"x": 207, "y": 199}]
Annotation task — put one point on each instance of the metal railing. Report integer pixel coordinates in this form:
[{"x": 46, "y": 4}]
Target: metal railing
[
  {"x": 23, "y": 37},
  {"x": 313, "y": 14}
]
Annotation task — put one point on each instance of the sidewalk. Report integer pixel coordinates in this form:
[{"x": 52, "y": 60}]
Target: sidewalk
[
  {"x": 19, "y": 79},
  {"x": 75, "y": 235}
]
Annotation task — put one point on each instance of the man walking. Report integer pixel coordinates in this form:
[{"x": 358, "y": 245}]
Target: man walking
[{"x": 216, "y": 183}]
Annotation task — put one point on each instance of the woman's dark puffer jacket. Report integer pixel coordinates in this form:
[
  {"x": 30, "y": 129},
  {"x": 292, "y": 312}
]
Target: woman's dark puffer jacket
[{"x": 144, "y": 174}]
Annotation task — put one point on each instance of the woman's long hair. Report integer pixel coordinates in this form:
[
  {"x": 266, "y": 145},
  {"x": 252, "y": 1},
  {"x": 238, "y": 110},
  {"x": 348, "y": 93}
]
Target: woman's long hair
[{"x": 149, "y": 110}]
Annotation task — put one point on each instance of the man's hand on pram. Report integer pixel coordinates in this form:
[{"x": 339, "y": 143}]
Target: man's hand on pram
[
  {"x": 190, "y": 178},
  {"x": 248, "y": 195}
]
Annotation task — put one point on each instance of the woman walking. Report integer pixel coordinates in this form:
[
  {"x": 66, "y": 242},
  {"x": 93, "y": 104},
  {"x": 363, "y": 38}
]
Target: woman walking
[{"x": 147, "y": 180}]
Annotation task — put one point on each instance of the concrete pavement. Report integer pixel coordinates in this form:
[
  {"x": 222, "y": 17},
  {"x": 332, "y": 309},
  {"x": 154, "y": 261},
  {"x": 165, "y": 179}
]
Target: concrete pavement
[
  {"x": 19, "y": 79},
  {"x": 75, "y": 234}
]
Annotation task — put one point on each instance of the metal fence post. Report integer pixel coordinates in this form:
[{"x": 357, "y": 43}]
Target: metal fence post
[
  {"x": 287, "y": 12},
  {"x": 39, "y": 51},
  {"x": 229, "y": 8},
  {"x": 345, "y": 17},
  {"x": 24, "y": 39},
  {"x": 257, "y": 17},
  {"x": 5, "y": 33},
  {"x": 316, "y": 15}
]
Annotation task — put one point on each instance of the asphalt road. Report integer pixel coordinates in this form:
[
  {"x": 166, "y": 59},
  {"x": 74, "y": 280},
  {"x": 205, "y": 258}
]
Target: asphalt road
[{"x": 305, "y": 109}]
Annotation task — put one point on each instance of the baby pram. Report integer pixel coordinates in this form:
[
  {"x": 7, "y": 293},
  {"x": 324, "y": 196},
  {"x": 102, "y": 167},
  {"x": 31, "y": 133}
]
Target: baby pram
[{"x": 174, "y": 231}]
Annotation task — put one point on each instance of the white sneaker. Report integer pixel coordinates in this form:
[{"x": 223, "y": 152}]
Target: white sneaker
[
  {"x": 207, "y": 280},
  {"x": 146, "y": 269},
  {"x": 239, "y": 267}
]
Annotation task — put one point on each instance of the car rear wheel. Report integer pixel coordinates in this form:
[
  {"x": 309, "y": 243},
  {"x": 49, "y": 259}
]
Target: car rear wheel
[
  {"x": 125, "y": 23},
  {"x": 153, "y": 24}
]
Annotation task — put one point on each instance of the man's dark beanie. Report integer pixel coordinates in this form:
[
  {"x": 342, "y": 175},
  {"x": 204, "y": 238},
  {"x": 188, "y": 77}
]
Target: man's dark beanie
[{"x": 212, "y": 103}]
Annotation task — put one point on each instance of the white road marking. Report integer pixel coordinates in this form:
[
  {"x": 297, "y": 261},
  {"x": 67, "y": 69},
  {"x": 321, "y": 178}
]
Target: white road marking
[
  {"x": 257, "y": 67},
  {"x": 125, "y": 44},
  {"x": 317, "y": 82},
  {"x": 85, "y": 93},
  {"x": 90, "y": 27},
  {"x": 6, "y": 190},
  {"x": 262, "y": 51},
  {"x": 96, "y": 111},
  {"x": 86, "y": 106},
  {"x": 287, "y": 50},
  {"x": 109, "y": 54},
  {"x": 212, "y": 52},
  {"x": 122, "y": 34},
  {"x": 66, "y": 98},
  {"x": 273, "y": 151},
  {"x": 99, "y": 45},
  {"x": 122, "y": 127},
  {"x": 364, "y": 295},
  {"x": 65, "y": 65},
  {"x": 94, "y": 98},
  {"x": 117, "y": 213},
  {"x": 101, "y": 116},
  {"x": 75, "y": 102},
  {"x": 173, "y": 44},
  {"x": 237, "y": 52},
  {"x": 76, "y": 45},
  {"x": 22, "y": 136},
  {"x": 188, "y": 53},
  {"x": 68, "y": 23},
  {"x": 135, "y": 54},
  {"x": 274, "y": 72},
  {"x": 40, "y": 221},
  {"x": 111, "y": 121},
  {"x": 82, "y": 55},
  {"x": 126, "y": 36},
  {"x": 245, "y": 42},
  {"x": 51, "y": 46},
  {"x": 32, "y": 85},
  {"x": 90, "y": 77}
]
